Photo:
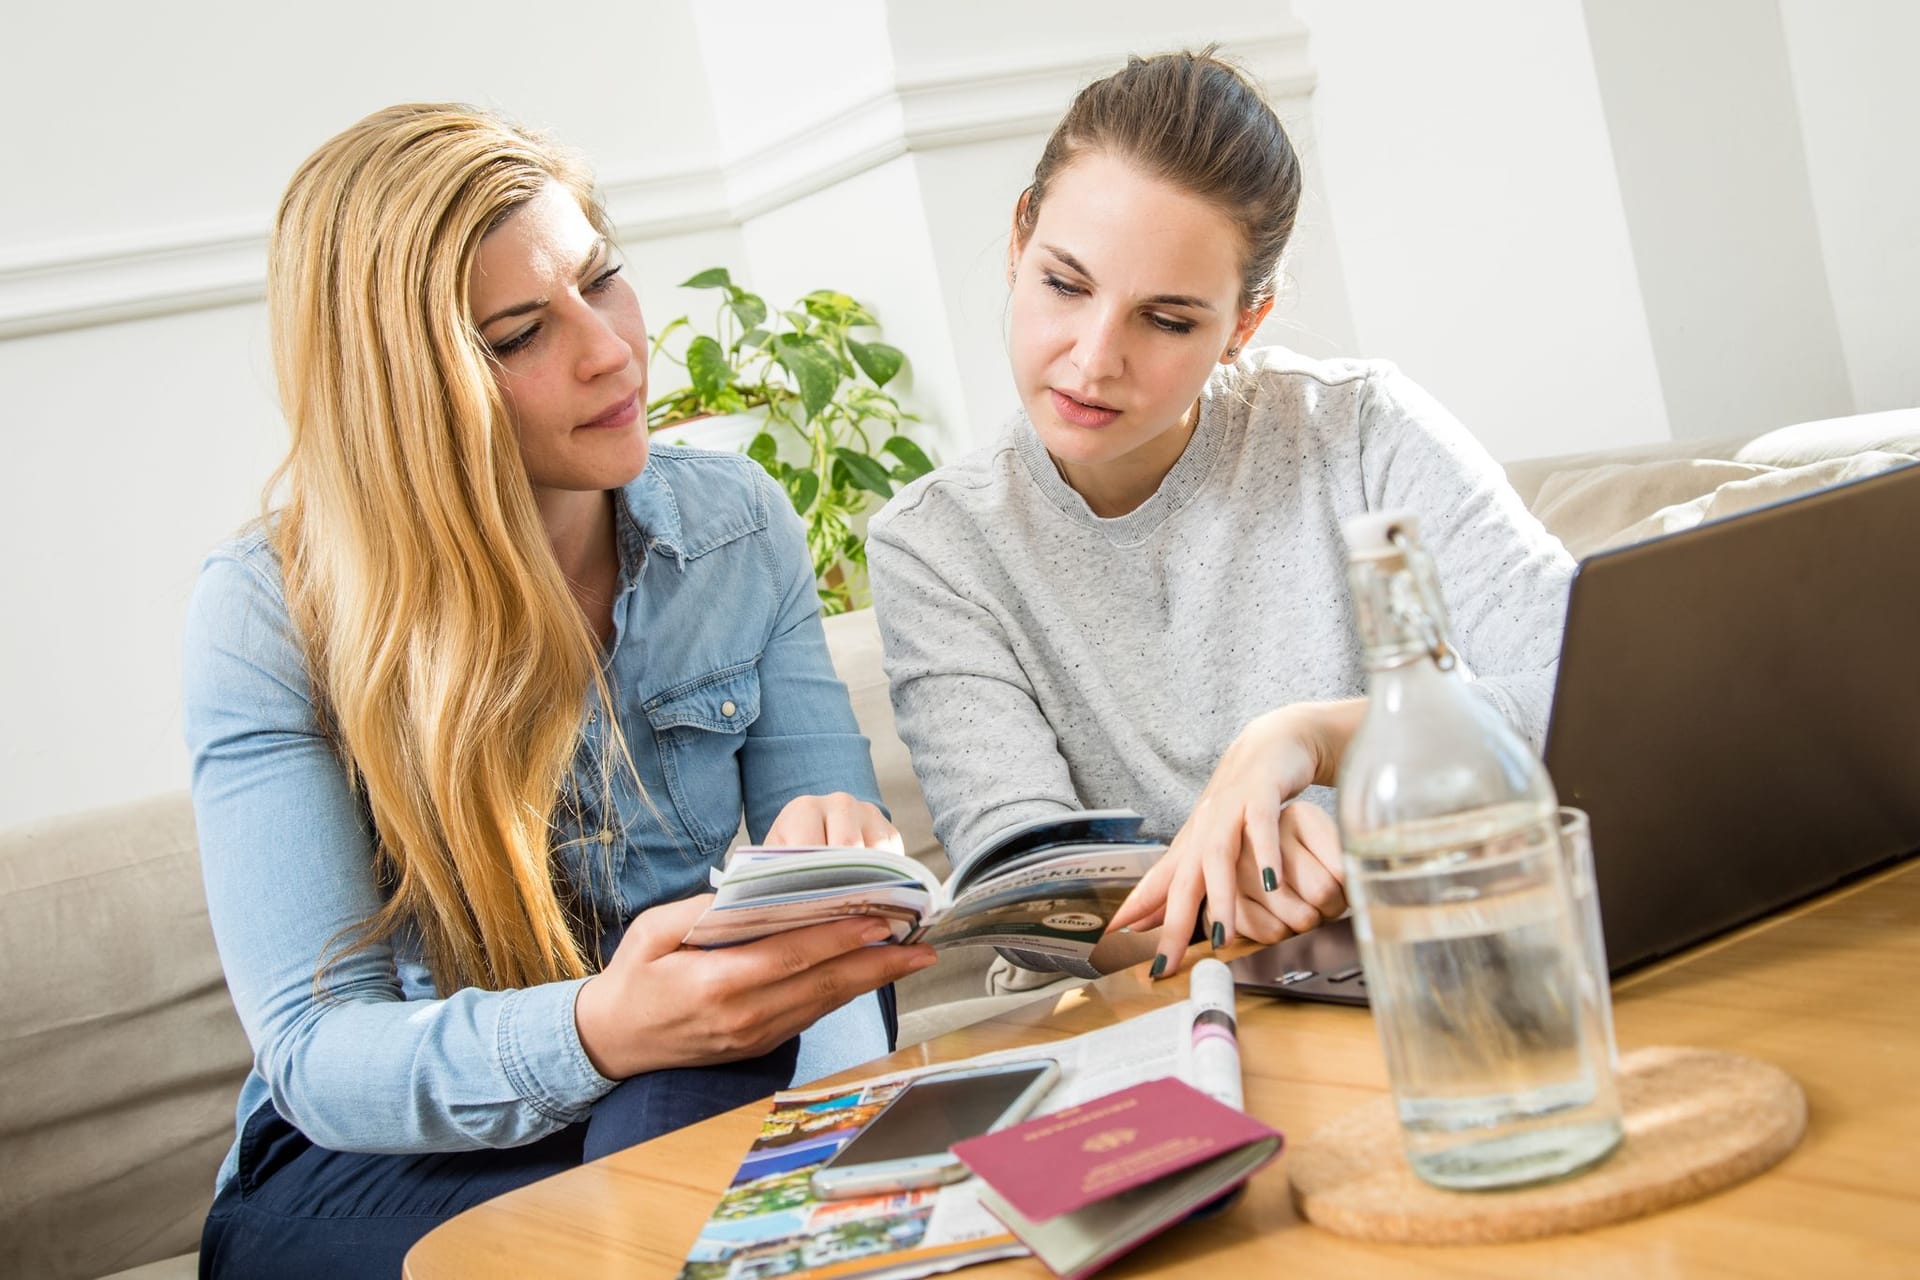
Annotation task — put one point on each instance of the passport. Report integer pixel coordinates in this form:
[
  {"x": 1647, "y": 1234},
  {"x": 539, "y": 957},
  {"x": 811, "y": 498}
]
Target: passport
[{"x": 1083, "y": 1185}]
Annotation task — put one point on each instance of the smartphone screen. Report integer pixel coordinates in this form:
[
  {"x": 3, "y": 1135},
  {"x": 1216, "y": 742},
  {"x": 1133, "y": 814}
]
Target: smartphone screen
[{"x": 931, "y": 1115}]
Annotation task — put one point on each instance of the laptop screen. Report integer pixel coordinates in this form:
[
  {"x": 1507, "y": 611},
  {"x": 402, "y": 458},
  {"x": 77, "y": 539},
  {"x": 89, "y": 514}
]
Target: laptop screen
[{"x": 1738, "y": 710}]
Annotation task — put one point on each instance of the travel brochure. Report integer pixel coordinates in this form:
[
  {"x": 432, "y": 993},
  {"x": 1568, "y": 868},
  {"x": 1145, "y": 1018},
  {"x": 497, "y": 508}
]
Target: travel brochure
[
  {"x": 770, "y": 1223},
  {"x": 1042, "y": 891}
]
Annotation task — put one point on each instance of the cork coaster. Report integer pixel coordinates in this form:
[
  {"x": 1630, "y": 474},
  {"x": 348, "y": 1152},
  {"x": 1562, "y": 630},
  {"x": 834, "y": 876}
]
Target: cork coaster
[{"x": 1696, "y": 1122}]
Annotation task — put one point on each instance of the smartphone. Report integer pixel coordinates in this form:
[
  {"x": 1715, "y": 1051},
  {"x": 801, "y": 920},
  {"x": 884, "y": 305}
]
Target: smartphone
[{"x": 905, "y": 1146}]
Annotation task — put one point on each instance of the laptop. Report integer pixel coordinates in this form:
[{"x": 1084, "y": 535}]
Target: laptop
[{"x": 1737, "y": 710}]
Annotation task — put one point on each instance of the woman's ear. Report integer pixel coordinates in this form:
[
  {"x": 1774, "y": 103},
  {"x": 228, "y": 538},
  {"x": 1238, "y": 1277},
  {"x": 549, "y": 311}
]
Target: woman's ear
[
  {"x": 1250, "y": 320},
  {"x": 1017, "y": 235}
]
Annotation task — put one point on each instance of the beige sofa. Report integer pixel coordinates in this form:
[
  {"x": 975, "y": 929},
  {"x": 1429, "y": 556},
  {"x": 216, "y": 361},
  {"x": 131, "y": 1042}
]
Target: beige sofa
[{"x": 120, "y": 1055}]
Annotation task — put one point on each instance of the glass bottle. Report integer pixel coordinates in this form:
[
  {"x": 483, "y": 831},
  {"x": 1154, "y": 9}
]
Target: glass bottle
[{"x": 1495, "y": 1036}]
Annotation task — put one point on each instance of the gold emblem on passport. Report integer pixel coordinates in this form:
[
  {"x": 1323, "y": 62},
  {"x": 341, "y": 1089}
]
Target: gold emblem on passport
[{"x": 1108, "y": 1140}]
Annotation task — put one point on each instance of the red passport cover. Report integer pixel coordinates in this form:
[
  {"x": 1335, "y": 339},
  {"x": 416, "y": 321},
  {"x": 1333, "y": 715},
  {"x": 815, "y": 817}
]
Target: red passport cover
[{"x": 1071, "y": 1158}]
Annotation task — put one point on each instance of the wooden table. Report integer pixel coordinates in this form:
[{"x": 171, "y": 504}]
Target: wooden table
[{"x": 1830, "y": 991}]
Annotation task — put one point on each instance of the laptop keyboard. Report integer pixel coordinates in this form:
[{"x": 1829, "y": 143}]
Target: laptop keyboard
[{"x": 1353, "y": 973}]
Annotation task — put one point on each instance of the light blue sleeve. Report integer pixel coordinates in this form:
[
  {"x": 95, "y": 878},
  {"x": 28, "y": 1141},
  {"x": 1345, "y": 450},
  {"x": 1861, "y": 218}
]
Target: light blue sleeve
[
  {"x": 289, "y": 869},
  {"x": 805, "y": 741}
]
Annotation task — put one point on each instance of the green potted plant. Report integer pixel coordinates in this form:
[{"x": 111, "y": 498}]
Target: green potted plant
[{"x": 829, "y": 431}]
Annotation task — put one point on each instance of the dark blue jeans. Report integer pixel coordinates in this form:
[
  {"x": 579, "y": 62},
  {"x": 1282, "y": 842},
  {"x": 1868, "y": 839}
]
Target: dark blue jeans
[{"x": 296, "y": 1210}]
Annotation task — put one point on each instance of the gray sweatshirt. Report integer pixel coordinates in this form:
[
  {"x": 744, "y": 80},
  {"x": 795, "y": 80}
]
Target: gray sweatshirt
[{"x": 1043, "y": 658}]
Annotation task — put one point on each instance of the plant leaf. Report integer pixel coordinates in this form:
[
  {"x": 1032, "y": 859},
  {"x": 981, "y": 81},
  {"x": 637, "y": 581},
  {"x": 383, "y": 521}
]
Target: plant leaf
[
  {"x": 748, "y": 309},
  {"x": 864, "y": 471},
  {"x": 802, "y": 487},
  {"x": 673, "y": 408},
  {"x": 764, "y": 450},
  {"x": 815, "y": 370},
  {"x": 753, "y": 337},
  {"x": 879, "y": 360},
  {"x": 707, "y": 366},
  {"x": 711, "y": 278},
  {"x": 913, "y": 460},
  {"x": 831, "y": 304}
]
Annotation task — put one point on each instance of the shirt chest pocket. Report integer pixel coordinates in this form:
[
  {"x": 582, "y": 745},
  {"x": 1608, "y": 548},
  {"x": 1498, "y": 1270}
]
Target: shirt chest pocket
[{"x": 700, "y": 728}]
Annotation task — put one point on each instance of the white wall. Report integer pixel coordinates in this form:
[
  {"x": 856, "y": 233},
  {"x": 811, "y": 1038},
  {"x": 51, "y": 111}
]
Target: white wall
[
  {"x": 1706, "y": 139},
  {"x": 868, "y": 236},
  {"x": 776, "y": 65},
  {"x": 129, "y": 452},
  {"x": 1479, "y": 219},
  {"x": 159, "y": 119},
  {"x": 1466, "y": 214},
  {"x": 1854, "y": 78},
  {"x": 133, "y": 447}
]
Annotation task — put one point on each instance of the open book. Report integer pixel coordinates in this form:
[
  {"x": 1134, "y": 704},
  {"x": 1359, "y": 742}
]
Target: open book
[{"x": 1041, "y": 891}]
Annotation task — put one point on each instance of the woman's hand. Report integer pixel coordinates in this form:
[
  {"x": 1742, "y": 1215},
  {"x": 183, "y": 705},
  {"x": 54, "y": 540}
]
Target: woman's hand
[
  {"x": 658, "y": 1004},
  {"x": 1263, "y": 868},
  {"x": 836, "y": 819}
]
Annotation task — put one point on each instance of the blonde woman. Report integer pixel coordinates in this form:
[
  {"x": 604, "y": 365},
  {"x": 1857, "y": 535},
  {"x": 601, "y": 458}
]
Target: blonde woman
[{"x": 475, "y": 710}]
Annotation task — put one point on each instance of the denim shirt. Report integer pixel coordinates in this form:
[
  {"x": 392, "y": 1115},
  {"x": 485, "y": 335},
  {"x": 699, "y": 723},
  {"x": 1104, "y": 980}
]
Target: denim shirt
[{"x": 722, "y": 686}]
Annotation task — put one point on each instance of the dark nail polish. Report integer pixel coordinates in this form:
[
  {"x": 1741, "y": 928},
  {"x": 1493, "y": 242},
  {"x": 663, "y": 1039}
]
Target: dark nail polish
[
  {"x": 1159, "y": 967},
  {"x": 1219, "y": 935},
  {"x": 1268, "y": 880}
]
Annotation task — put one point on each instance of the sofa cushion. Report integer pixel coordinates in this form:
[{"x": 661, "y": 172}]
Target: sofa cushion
[
  {"x": 1744, "y": 494},
  {"x": 1891, "y": 431},
  {"x": 853, "y": 640},
  {"x": 120, "y": 1048},
  {"x": 1588, "y": 507},
  {"x": 1610, "y": 505}
]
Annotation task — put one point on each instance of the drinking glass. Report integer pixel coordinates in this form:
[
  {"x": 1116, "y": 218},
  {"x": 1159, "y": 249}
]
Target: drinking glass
[{"x": 1487, "y": 974}]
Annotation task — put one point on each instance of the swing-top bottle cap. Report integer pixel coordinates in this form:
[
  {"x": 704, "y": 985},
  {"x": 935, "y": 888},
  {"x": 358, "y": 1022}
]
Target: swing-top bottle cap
[{"x": 1378, "y": 533}]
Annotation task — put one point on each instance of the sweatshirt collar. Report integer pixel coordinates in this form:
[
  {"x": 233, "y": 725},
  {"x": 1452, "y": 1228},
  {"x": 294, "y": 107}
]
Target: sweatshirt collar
[{"x": 1177, "y": 487}]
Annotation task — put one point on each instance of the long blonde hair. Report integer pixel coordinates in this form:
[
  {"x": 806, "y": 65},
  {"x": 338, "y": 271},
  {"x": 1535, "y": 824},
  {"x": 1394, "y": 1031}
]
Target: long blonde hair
[{"x": 448, "y": 657}]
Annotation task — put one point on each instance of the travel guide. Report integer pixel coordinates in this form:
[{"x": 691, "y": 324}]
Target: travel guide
[{"x": 1041, "y": 891}]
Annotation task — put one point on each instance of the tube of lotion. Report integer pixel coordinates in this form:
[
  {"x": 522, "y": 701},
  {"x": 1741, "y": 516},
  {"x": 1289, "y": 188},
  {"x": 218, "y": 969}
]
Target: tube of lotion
[{"x": 1216, "y": 1043}]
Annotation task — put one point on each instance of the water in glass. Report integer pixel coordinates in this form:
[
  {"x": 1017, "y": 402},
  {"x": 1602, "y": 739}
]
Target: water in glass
[{"x": 1495, "y": 1043}]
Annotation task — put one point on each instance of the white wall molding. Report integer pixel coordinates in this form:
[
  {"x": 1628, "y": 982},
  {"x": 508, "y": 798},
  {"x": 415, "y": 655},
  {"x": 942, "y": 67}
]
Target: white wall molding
[{"x": 70, "y": 285}]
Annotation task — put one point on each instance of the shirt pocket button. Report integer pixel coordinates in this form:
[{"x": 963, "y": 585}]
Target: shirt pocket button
[{"x": 727, "y": 709}]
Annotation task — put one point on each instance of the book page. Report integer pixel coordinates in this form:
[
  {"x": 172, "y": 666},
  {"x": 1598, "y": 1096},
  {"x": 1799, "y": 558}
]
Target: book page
[
  {"x": 1059, "y": 906},
  {"x": 763, "y": 891},
  {"x": 1091, "y": 826},
  {"x": 759, "y": 872}
]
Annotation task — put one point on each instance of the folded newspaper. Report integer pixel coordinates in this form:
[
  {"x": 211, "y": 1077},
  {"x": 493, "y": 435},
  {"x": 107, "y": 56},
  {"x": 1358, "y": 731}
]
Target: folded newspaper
[
  {"x": 770, "y": 1223},
  {"x": 1041, "y": 891}
]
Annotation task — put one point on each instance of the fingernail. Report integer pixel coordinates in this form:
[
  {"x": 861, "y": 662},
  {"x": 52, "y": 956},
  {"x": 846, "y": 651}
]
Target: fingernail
[
  {"x": 1219, "y": 935},
  {"x": 1268, "y": 880},
  {"x": 879, "y": 933},
  {"x": 1159, "y": 967},
  {"x": 925, "y": 958}
]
